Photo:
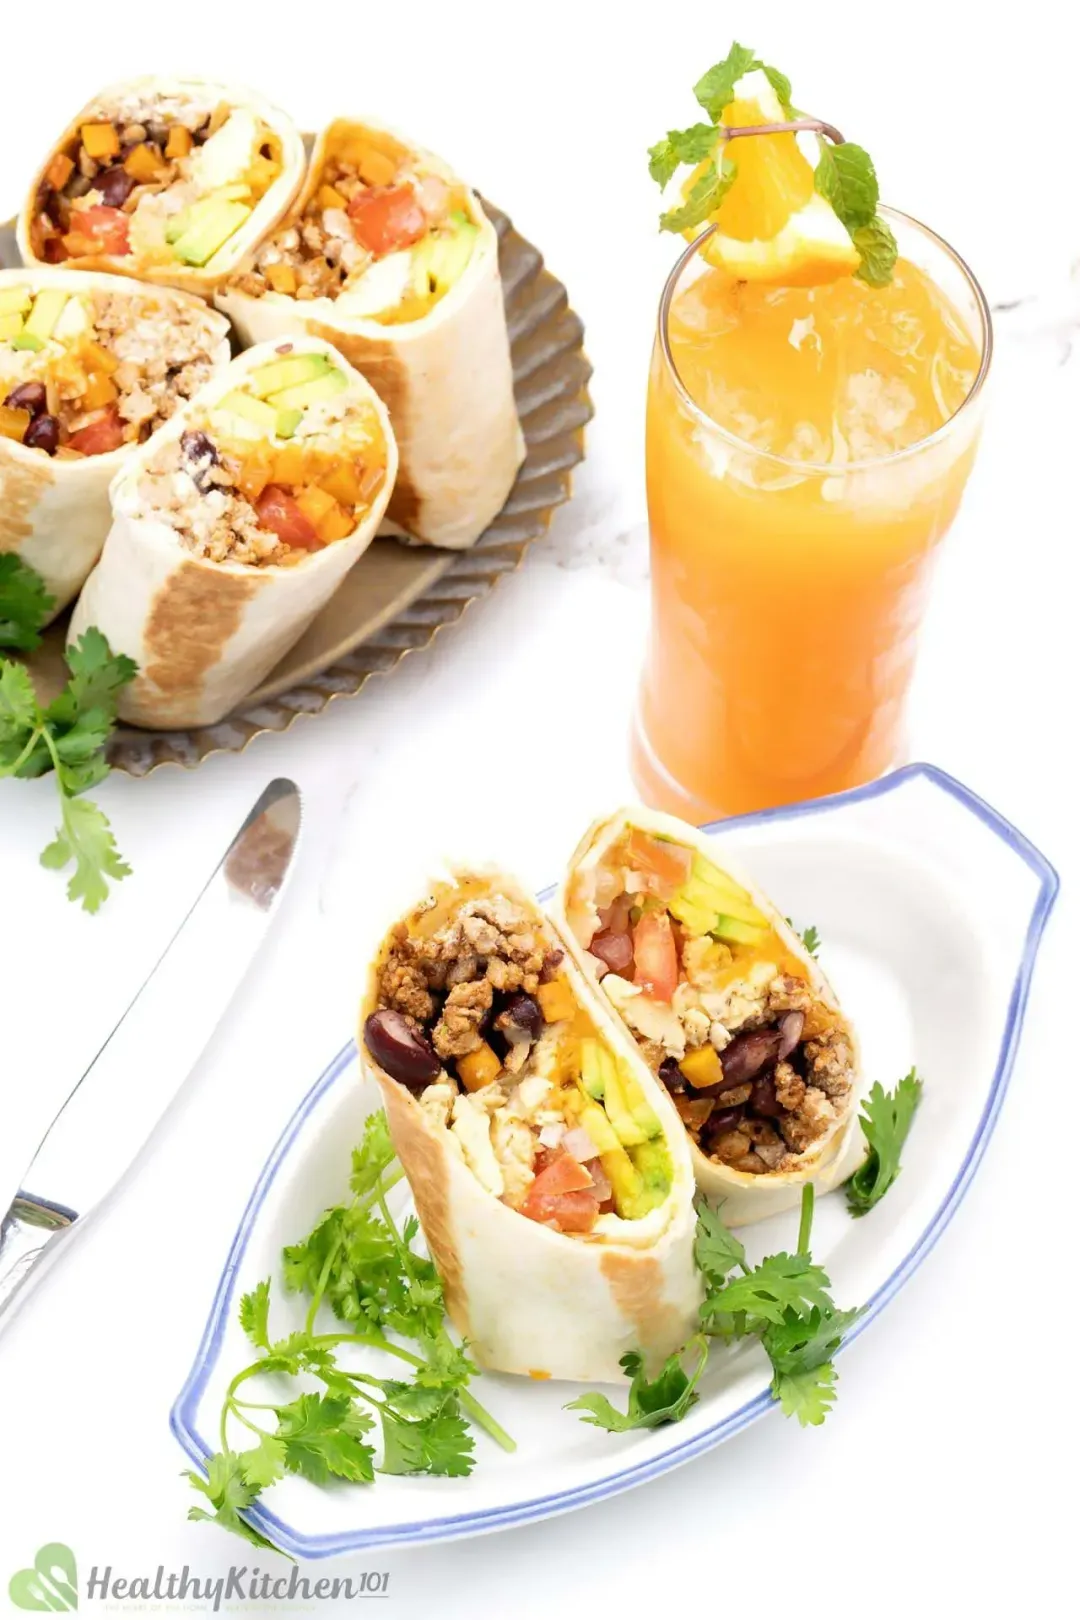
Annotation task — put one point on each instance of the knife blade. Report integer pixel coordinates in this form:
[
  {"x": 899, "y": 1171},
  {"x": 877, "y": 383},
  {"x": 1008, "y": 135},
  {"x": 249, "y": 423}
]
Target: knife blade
[{"x": 151, "y": 1050}]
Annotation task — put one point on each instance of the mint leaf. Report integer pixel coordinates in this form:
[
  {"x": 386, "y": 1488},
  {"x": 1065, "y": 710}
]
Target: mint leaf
[
  {"x": 705, "y": 197},
  {"x": 681, "y": 146},
  {"x": 85, "y": 837},
  {"x": 25, "y": 604},
  {"x": 255, "y": 1314},
  {"x": 845, "y": 177},
  {"x": 877, "y": 250},
  {"x": 716, "y": 88},
  {"x": 885, "y": 1120},
  {"x": 808, "y": 1396},
  {"x": 664, "y": 1399},
  {"x": 781, "y": 84}
]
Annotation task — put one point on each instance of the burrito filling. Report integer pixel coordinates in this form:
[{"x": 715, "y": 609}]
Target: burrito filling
[
  {"x": 286, "y": 463},
  {"x": 88, "y": 372},
  {"x": 381, "y": 234},
  {"x": 165, "y": 179},
  {"x": 758, "y": 1065},
  {"x": 477, "y": 1019}
]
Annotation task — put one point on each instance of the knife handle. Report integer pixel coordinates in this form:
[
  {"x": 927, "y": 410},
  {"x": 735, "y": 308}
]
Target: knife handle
[{"x": 30, "y": 1230}]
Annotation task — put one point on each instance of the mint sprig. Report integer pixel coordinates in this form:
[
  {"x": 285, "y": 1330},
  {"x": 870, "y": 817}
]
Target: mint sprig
[{"x": 845, "y": 176}]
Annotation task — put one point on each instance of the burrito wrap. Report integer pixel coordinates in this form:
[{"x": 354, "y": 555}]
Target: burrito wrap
[
  {"x": 446, "y": 378},
  {"x": 530, "y": 1299},
  {"x": 205, "y": 633},
  {"x": 841, "y": 1148}
]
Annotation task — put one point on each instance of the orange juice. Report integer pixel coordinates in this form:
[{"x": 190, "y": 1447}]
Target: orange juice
[{"x": 807, "y": 448}]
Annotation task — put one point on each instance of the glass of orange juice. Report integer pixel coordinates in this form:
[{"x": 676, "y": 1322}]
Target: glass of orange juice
[{"x": 806, "y": 451}]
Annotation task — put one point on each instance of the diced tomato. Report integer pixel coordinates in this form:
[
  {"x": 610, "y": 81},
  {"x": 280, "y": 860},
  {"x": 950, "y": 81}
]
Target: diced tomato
[
  {"x": 278, "y": 512},
  {"x": 385, "y": 218},
  {"x": 615, "y": 919},
  {"x": 668, "y": 864},
  {"x": 656, "y": 964},
  {"x": 97, "y": 230},
  {"x": 97, "y": 438},
  {"x": 561, "y": 1174},
  {"x": 570, "y": 1212}
]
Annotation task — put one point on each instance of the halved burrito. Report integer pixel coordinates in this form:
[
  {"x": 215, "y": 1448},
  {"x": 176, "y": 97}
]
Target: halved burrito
[
  {"x": 234, "y": 525},
  {"x": 170, "y": 180},
  {"x": 390, "y": 256},
  {"x": 550, "y": 1172},
  {"x": 90, "y": 366},
  {"x": 724, "y": 1003}
]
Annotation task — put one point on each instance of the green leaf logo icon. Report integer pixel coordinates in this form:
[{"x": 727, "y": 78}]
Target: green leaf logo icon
[{"x": 52, "y": 1586}]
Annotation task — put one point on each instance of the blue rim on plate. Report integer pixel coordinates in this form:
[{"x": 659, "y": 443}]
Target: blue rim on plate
[{"x": 182, "y": 1418}]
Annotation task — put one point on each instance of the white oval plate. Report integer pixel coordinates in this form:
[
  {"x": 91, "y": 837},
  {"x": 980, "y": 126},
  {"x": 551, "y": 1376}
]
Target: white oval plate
[{"x": 930, "y": 907}]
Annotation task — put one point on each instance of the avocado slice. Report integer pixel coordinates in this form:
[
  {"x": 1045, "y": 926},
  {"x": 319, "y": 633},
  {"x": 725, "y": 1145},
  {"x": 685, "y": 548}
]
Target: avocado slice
[
  {"x": 698, "y": 919},
  {"x": 27, "y": 340},
  {"x": 250, "y": 410},
  {"x": 15, "y": 300},
  {"x": 189, "y": 218},
  {"x": 616, "y": 1105},
  {"x": 325, "y": 386},
  {"x": 441, "y": 258},
  {"x": 288, "y": 422},
  {"x": 625, "y": 1182},
  {"x": 212, "y": 223},
  {"x": 653, "y": 1165},
  {"x": 738, "y": 932},
  {"x": 642, "y": 1114},
  {"x": 10, "y": 326},
  {"x": 593, "y": 1119},
  {"x": 592, "y": 1070},
  {"x": 47, "y": 310},
  {"x": 287, "y": 372}
]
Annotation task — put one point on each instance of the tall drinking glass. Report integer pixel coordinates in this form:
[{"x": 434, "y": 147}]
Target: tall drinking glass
[{"x": 787, "y": 591}]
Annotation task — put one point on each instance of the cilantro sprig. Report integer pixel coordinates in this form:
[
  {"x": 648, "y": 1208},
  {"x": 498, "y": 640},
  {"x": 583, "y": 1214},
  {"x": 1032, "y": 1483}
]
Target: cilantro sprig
[
  {"x": 809, "y": 936},
  {"x": 69, "y": 737},
  {"x": 886, "y": 1119},
  {"x": 357, "y": 1261},
  {"x": 25, "y": 604},
  {"x": 844, "y": 175},
  {"x": 784, "y": 1302}
]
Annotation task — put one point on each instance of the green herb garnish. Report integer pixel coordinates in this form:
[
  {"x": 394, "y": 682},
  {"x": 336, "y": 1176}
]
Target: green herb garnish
[
  {"x": 664, "y": 1399},
  {"x": 69, "y": 737},
  {"x": 886, "y": 1119},
  {"x": 357, "y": 1261},
  {"x": 25, "y": 604}
]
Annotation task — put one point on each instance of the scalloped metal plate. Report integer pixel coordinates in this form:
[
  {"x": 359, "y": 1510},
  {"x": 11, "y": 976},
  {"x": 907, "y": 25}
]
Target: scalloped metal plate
[{"x": 398, "y": 597}]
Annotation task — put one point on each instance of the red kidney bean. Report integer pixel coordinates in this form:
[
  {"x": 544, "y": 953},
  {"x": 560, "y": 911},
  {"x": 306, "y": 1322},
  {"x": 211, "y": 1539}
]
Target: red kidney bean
[
  {"x": 28, "y": 396},
  {"x": 200, "y": 454},
  {"x": 115, "y": 185},
  {"x": 400, "y": 1050},
  {"x": 43, "y": 434},
  {"x": 763, "y": 1098},
  {"x": 521, "y": 1019},
  {"x": 672, "y": 1075},
  {"x": 748, "y": 1053},
  {"x": 725, "y": 1119},
  {"x": 616, "y": 951},
  {"x": 791, "y": 1028}
]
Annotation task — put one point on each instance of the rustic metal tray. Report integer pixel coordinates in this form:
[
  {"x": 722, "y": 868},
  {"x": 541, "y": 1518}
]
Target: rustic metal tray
[{"x": 398, "y": 597}]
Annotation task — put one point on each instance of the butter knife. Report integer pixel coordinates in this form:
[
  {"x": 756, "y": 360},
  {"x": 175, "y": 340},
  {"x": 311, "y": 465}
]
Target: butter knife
[{"x": 150, "y": 1052}]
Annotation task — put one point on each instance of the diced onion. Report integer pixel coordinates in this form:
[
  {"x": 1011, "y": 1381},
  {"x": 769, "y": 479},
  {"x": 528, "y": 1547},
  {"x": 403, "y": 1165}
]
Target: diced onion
[
  {"x": 578, "y": 1143},
  {"x": 552, "y": 1135}
]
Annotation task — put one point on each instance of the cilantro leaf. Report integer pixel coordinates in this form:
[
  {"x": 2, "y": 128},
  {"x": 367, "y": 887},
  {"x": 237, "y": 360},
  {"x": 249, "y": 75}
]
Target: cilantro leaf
[
  {"x": 886, "y": 1119},
  {"x": 664, "y": 1399},
  {"x": 439, "y": 1444},
  {"x": 373, "y": 1157},
  {"x": 25, "y": 604},
  {"x": 780, "y": 1283},
  {"x": 681, "y": 146},
  {"x": 19, "y": 712},
  {"x": 705, "y": 197},
  {"x": 263, "y": 1464},
  {"x": 809, "y": 1395},
  {"x": 811, "y": 939},
  {"x": 717, "y": 1251},
  {"x": 321, "y": 1438},
  {"x": 878, "y": 252},
  {"x": 800, "y": 1343},
  {"x": 255, "y": 1314},
  {"x": 85, "y": 837},
  {"x": 97, "y": 674},
  {"x": 716, "y": 88},
  {"x": 229, "y": 1493},
  {"x": 846, "y": 178}
]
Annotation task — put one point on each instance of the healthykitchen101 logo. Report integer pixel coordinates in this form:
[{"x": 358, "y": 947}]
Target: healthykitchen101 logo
[{"x": 51, "y": 1586}]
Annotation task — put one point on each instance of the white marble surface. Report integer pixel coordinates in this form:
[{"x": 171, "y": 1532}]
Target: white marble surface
[{"x": 952, "y": 1407}]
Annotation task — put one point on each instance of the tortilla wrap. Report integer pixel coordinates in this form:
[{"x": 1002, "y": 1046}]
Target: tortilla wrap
[
  {"x": 54, "y": 511},
  {"x": 839, "y": 1151},
  {"x": 205, "y": 633},
  {"x": 171, "y": 93},
  {"x": 446, "y": 377},
  {"x": 531, "y": 1299}
]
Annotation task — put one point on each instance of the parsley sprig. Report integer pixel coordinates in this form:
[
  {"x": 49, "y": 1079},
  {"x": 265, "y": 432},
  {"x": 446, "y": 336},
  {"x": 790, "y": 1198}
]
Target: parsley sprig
[
  {"x": 886, "y": 1119},
  {"x": 69, "y": 738},
  {"x": 784, "y": 1302},
  {"x": 25, "y": 604},
  {"x": 357, "y": 1261},
  {"x": 844, "y": 175}
]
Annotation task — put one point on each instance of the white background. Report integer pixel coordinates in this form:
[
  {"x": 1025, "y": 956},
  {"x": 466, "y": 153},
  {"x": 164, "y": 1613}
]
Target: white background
[{"x": 930, "y": 1486}]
